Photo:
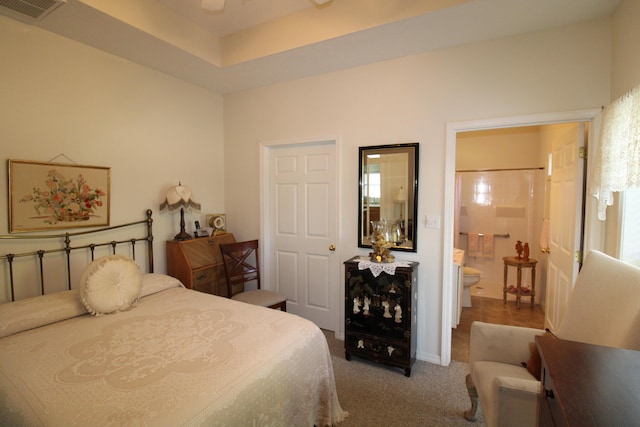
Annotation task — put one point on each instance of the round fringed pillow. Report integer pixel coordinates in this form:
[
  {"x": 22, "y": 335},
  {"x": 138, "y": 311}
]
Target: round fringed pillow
[{"x": 110, "y": 284}]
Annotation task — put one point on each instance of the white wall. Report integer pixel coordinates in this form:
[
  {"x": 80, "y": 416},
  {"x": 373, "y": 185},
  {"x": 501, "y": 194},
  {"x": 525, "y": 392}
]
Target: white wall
[
  {"x": 412, "y": 99},
  {"x": 61, "y": 97},
  {"x": 626, "y": 38}
]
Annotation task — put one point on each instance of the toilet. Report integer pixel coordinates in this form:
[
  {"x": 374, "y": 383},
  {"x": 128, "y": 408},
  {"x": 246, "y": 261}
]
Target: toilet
[{"x": 471, "y": 277}]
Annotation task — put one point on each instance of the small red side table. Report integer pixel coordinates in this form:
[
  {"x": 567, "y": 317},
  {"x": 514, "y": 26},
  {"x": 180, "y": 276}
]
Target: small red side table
[{"x": 519, "y": 291}]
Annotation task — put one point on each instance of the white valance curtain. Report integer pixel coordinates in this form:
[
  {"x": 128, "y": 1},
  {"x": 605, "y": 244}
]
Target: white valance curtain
[{"x": 617, "y": 163}]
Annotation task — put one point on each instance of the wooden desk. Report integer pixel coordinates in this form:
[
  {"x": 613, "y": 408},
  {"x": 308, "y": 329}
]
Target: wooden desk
[
  {"x": 588, "y": 385},
  {"x": 197, "y": 263},
  {"x": 511, "y": 261}
]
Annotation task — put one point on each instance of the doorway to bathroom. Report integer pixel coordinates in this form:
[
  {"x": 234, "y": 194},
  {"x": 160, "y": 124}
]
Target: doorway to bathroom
[
  {"x": 505, "y": 154},
  {"x": 502, "y": 204},
  {"x": 501, "y": 199}
]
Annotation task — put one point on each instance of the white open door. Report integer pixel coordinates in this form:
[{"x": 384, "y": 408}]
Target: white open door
[{"x": 565, "y": 219}]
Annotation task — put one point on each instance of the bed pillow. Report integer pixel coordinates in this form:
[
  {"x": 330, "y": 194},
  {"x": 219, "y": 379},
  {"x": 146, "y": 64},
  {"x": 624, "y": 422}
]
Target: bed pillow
[
  {"x": 31, "y": 313},
  {"x": 153, "y": 283},
  {"x": 110, "y": 284}
]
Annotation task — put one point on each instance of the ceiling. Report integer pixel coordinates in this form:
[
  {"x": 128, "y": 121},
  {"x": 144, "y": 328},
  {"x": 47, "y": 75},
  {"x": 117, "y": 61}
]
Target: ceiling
[
  {"x": 253, "y": 43},
  {"x": 237, "y": 14}
]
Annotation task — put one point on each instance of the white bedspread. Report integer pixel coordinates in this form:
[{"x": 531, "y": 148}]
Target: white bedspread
[{"x": 179, "y": 357}]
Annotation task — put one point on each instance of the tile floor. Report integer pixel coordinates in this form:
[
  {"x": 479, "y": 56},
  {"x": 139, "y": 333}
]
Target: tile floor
[{"x": 492, "y": 310}]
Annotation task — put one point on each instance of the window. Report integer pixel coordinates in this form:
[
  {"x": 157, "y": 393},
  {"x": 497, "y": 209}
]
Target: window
[
  {"x": 616, "y": 170},
  {"x": 372, "y": 184},
  {"x": 630, "y": 228}
]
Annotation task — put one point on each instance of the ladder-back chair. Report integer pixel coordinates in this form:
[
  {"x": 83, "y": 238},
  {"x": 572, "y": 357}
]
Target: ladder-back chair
[{"x": 242, "y": 265}]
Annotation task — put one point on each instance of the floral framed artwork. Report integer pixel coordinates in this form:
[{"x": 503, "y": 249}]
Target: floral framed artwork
[{"x": 47, "y": 196}]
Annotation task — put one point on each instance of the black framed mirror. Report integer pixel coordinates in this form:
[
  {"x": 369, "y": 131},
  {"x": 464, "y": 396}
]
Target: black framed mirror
[{"x": 388, "y": 194}]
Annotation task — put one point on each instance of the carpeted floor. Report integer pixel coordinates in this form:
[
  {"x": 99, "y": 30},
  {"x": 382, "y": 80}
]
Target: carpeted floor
[{"x": 378, "y": 395}]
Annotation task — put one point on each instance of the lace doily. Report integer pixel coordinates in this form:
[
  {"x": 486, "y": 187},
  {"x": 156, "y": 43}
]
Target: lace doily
[{"x": 378, "y": 267}]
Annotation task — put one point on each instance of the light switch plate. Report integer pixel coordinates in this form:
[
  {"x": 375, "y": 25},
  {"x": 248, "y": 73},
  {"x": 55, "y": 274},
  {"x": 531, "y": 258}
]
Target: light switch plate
[{"x": 432, "y": 221}]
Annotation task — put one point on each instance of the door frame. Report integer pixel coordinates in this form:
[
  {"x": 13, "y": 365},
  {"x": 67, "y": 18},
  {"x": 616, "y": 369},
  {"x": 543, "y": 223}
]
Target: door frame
[
  {"x": 594, "y": 229},
  {"x": 266, "y": 221}
]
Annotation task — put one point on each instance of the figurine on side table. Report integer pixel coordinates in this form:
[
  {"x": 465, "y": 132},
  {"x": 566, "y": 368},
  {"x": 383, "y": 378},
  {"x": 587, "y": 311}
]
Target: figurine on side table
[{"x": 519, "y": 249}]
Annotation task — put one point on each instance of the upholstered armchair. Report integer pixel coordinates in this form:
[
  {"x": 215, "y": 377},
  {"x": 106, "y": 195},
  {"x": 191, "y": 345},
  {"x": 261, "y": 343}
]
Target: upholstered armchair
[{"x": 603, "y": 309}]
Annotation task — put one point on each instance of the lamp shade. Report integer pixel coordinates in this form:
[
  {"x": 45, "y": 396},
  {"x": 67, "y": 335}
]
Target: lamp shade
[
  {"x": 401, "y": 196},
  {"x": 179, "y": 196}
]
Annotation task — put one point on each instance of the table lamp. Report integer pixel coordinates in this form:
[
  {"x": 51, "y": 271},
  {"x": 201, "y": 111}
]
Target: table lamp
[{"x": 179, "y": 196}]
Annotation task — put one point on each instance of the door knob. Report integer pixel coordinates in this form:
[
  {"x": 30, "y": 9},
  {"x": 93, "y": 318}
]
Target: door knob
[{"x": 332, "y": 247}]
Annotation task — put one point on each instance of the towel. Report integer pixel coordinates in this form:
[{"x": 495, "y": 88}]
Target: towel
[
  {"x": 487, "y": 245},
  {"x": 473, "y": 244}
]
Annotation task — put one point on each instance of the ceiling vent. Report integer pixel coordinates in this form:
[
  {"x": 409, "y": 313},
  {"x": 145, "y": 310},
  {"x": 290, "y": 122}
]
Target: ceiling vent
[{"x": 29, "y": 11}]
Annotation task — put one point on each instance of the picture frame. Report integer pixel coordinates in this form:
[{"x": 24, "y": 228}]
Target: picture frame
[{"x": 51, "y": 196}]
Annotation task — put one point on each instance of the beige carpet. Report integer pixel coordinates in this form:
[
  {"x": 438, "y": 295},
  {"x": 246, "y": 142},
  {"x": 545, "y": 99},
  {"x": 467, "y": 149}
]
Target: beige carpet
[{"x": 378, "y": 395}]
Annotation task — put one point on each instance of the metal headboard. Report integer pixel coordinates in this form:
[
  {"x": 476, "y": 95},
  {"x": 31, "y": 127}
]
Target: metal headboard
[{"x": 68, "y": 247}]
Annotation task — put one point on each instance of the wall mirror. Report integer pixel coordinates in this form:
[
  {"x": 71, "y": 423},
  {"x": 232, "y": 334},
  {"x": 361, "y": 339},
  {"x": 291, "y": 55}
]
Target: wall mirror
[{"x": 388, "y": 194}]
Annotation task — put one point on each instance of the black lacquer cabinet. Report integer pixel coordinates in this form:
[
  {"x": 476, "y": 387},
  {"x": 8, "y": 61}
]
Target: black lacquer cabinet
[{"x": 380, "y": 313}]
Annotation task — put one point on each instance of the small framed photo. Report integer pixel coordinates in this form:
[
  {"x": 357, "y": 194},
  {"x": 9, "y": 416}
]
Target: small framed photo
[{"x": 48, "y": 196}]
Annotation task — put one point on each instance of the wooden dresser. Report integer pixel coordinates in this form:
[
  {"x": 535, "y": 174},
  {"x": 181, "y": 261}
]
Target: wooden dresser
[
  {"x": 380, "y": 314},
  {"x": 588, "y": 385},
  {"x": 197, "y": 263}
]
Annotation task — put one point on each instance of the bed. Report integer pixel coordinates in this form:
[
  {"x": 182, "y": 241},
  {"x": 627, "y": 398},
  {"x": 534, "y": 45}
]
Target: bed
[{"x": 166, "y": 355}]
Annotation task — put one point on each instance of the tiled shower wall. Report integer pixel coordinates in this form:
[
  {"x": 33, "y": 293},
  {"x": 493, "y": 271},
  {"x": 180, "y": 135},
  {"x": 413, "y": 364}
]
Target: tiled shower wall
[{"x": 500, "y": 202}]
